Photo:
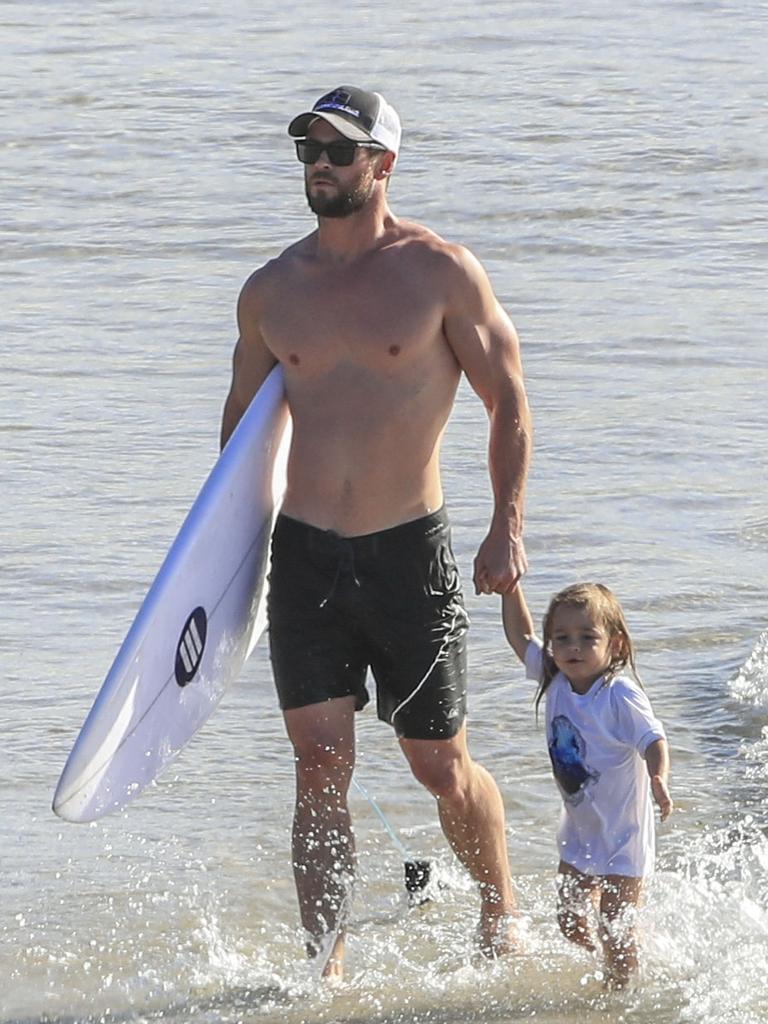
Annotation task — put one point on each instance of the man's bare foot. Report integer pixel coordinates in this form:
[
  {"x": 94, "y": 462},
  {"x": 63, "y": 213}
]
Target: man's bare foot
[
  {"x": 498, "y": 935},
  {"x": 329, "y": 952}
]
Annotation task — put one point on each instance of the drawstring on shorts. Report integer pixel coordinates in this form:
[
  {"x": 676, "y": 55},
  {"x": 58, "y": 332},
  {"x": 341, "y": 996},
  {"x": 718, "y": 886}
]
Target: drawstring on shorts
[{"x": 345, "y": 564}]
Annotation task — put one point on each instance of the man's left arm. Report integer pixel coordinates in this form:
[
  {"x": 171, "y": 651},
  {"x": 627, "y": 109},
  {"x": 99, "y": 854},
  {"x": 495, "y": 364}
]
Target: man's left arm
[{"x": 486, "y": 346}]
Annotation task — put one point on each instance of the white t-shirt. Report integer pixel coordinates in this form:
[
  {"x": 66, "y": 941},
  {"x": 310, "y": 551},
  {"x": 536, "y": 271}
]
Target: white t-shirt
[{"x": 596, "y": 745}]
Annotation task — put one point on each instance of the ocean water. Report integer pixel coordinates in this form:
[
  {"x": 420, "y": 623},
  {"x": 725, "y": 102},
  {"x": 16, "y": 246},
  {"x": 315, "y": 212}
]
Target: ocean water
[{"x": 608, "y": 166}]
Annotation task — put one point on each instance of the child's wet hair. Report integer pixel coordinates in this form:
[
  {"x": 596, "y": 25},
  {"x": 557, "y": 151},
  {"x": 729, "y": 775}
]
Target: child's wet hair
[{"x": 602, "y": 605}]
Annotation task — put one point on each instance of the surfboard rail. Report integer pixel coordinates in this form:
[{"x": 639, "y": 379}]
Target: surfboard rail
[{"x": 199, "y": 621}]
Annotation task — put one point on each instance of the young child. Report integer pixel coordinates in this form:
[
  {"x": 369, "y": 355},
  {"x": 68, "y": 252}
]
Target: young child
[{"x": 604, "y": 744}]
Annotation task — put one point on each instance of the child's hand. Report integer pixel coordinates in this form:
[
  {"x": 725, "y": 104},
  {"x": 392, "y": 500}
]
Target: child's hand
[{"x": 661, "y": 796}]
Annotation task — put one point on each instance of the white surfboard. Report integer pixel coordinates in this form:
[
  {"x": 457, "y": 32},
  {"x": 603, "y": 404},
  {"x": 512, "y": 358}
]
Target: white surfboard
[{"x": 197, "y": 625}]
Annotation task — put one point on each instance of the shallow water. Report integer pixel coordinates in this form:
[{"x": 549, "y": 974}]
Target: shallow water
[{"x": 610, "y": 172}]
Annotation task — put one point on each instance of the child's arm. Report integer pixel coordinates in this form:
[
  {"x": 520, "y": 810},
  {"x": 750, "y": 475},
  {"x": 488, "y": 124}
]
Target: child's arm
[
  {"x": 518, "y": 624},
  {"x": 657, "y": 761}
]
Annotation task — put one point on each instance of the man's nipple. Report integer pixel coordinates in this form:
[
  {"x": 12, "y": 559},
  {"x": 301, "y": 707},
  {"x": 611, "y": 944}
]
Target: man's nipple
[
  {"x": 394, "y": 350},
  {"x": 293, "y": 359}
]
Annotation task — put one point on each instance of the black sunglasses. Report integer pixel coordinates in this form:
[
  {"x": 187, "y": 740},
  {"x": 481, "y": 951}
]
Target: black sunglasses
[{"x": 340, "y": 153}]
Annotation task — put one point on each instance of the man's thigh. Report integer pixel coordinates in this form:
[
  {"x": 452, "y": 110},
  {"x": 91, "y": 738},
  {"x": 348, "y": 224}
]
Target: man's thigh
[
  {"x": 315, "y": 650},
  {"x": 323, "y": 735}
]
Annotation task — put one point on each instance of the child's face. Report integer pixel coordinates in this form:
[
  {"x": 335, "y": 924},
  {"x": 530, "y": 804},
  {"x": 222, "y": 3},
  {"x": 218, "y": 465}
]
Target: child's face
[{"x": 581, "y": 646}]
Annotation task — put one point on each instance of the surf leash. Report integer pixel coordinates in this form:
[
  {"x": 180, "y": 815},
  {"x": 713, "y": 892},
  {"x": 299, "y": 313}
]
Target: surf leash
[{"x": 417, "y": 871}]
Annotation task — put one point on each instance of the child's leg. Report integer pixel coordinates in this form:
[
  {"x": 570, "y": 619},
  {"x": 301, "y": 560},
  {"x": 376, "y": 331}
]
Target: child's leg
[
  {"x": 619, "y": 899},
  {"x": 575, "y": 892}
]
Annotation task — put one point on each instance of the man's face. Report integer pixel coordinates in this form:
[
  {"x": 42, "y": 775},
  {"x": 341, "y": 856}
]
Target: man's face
[{"x": 338, "y": 191}]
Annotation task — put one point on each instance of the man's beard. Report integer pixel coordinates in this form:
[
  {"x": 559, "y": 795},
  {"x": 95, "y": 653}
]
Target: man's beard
[{"x": 342, "y": 204}]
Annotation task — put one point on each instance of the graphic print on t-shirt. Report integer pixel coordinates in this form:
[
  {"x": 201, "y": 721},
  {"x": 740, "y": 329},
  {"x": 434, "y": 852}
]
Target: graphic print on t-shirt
[{"x": 567, "y": 751}]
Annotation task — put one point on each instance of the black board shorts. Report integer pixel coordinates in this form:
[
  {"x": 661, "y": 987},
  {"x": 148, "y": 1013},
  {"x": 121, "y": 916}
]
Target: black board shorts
[{"x": 389, "y": 601}]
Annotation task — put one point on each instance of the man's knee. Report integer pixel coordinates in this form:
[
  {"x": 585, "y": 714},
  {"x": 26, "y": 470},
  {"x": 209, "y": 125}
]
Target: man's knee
[
  {"x": 323, "y": 768},
  {"x": 447, "y": 777},
  {"x": 323, "y": 744}
]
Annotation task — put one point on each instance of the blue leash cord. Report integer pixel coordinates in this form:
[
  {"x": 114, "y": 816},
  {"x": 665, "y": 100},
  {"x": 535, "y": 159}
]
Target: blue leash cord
[
  {"x": 390, "y": 831},
  {"x": 417, "y": 872}
]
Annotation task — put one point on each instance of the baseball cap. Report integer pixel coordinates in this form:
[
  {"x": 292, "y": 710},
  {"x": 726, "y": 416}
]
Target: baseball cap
[{"x": 357, "y": 114}]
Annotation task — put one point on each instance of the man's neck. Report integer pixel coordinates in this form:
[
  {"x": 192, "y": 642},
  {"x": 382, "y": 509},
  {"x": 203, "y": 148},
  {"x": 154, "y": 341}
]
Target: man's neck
[{"x": 345, "y": 239}]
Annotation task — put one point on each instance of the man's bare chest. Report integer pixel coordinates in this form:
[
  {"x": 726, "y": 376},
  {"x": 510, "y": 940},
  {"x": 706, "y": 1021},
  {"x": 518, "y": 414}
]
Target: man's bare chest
[{"x": 318, "y": 320}]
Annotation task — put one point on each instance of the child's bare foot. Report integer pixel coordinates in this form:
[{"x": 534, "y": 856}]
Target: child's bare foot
[
  {"x": 621, "y": 965},
  {"x": 617, "y": 980}
]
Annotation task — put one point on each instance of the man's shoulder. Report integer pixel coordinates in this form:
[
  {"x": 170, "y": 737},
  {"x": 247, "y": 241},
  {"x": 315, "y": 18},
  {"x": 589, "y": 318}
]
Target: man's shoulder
[
  {"x": 422, "y": 242},
  {"x": 420, "y": 236},
  {"x": 275, "y": 271}
]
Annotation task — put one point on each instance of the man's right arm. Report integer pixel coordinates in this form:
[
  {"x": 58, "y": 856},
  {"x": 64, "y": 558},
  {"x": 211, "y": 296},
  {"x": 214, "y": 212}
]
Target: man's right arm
[{"x": 252, "y": 360}]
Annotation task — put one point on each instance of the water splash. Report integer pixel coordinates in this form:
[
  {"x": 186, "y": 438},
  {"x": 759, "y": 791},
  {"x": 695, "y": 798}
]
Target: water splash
[
  {"x": 756, "y": 756},
  {"x": 750, "y": 684},
  {"x": 709, "y": 925},
  {"x": 197, "y": 953}
]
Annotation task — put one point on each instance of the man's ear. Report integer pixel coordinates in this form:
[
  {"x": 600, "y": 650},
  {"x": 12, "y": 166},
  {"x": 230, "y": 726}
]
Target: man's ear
[{"x": 386, "y": 166}]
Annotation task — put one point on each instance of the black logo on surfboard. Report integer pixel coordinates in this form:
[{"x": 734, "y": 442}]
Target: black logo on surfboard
[{"x": 189, "y": 652}]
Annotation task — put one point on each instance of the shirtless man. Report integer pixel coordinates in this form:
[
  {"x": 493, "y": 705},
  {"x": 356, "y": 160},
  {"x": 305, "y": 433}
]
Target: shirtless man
[{"x": 373, "y": 320}]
